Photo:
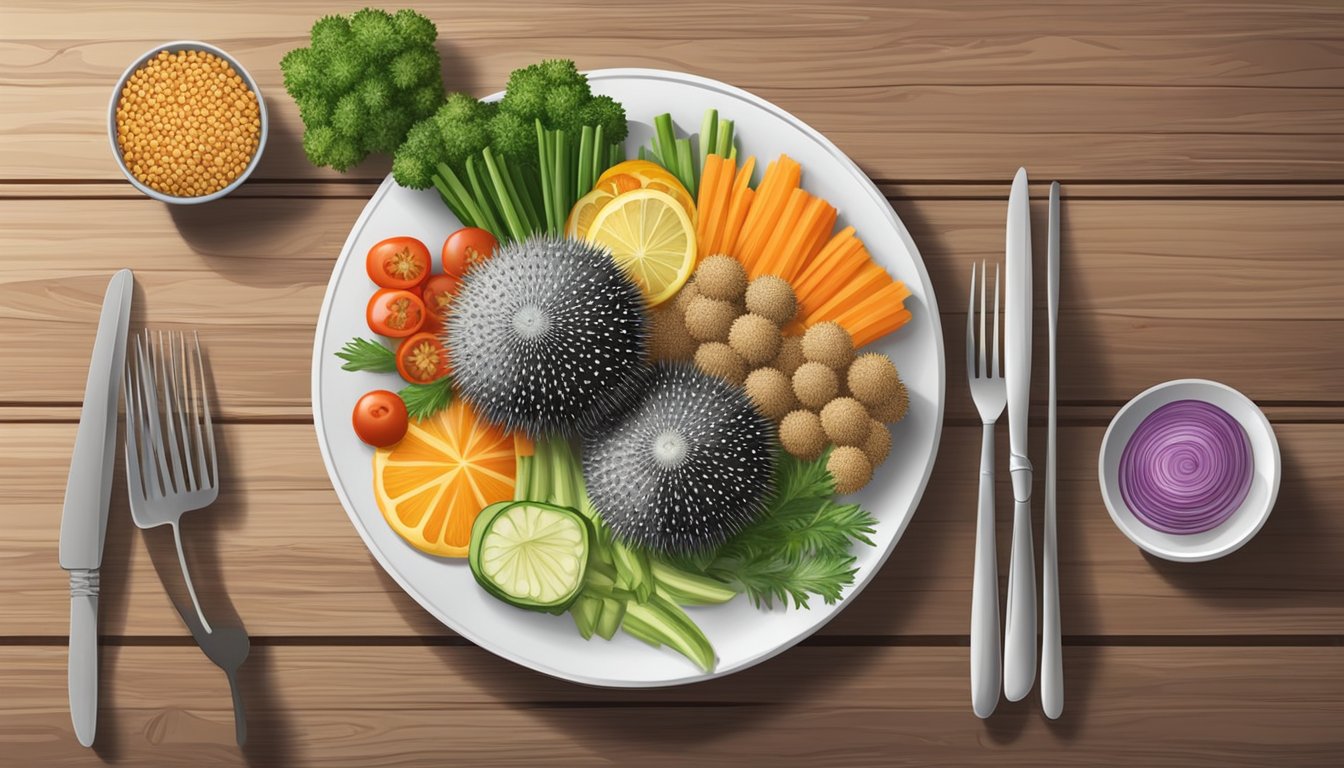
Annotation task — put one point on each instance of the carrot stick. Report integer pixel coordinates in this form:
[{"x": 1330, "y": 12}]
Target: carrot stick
[
  {"x": 737, "y": 215},
  {"x": 788, "y": 174},
  {"x": 713, "y": 166},
  {"x": 821, "y": 263},
  {"x": 772, "y": 248},
  {"x": 830, "y": 272},
  {"x": 870, "y": 279},
  {"x": 719, "y": 203},
  {"x": 815, "y": 223},
  {"x": 868, "y": 334}
]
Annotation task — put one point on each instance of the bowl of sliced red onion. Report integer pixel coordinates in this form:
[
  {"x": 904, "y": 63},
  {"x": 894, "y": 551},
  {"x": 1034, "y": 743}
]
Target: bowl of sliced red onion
[{"x": 1189, "y": 470}]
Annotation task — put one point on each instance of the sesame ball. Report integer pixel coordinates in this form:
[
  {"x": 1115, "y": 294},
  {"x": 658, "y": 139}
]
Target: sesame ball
[
  {"x": 718, "y": 359},
  {"x": 878, "y": 444},
  {"x": 754, "y": 339},
  {"x": 790, "y": 355},
  {"x": 721, "y": 277},
  {"x": 709, "y": 319},
  {"x": 845, "y": 421},
  {"x": 771, "y": 391},
  {"x": 801, "y": 435},
  {"x": 829, "y": 344},
  {"x": 850, "y": 469},
  {"x": 668, "y": 339},
  {"x": 683, "y": 300},
  {"x": 814, "y": 385},
  {"x": 772, "y": 297},
  {"x": 873, "y": 380}
]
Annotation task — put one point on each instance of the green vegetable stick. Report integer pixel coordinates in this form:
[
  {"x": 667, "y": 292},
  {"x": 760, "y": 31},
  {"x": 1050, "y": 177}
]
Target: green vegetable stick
[
  {"x": 686, "y": 588},
  {"x": 617, "y": 153},
  {"x": 725, "y": 138},
  {"x": 562, "y": 477},
  {"x": 664, "y": 621},
  {"x": 483, "y": 200},
  {"x": 540, "y": 486},
  {"x": 600, "y": 155},
  {"x": 546, "y": 165},
  {"x": 584, "y": 178},
  {"x": 708, "y": 132},
  {"x": 522, "y": 477},
  {"x": 518, "y": 183},
  {"x": 450, "y": 200},
  {"x": 609, "y": 621},
  {"x": 463, "y": 196},
  {"x": 641, "y": 630},
  {"x": 507, "y": 201},
  {"x": 587, "y": 611},
  {"x": 666, "y": 142},
  {"x": 563, "y": 179},
  {"x": 686, "y": 165}
]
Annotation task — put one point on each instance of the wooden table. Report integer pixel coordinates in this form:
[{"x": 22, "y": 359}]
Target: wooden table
[{"x": 1201, "y": 153}]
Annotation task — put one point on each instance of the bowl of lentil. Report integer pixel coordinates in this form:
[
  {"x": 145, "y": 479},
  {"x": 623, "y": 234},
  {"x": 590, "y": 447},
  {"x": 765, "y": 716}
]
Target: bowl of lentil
[{"x": 187, "y": 123}]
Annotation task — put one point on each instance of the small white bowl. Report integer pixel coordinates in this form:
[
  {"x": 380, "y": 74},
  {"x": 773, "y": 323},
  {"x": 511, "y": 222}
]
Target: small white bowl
[
  {"x": 1244, "y": 523},
  {"x": 174, "y": 47}
]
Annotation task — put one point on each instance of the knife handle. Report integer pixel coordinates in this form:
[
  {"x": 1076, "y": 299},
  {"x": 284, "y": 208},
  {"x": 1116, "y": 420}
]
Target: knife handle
[
  {"x": 83, "y": 665},
  {"x": 1019, "y": 656}
]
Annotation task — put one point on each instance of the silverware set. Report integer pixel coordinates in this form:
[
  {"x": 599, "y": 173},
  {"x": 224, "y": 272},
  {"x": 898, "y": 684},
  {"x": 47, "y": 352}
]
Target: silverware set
[
  {"x": 995, "y": 387},
  {"x": 172, "y": 468}
]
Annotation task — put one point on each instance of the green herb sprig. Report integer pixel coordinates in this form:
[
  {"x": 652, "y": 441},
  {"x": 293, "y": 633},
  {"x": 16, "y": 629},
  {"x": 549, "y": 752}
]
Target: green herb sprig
[
  {"x": 367, "y": 355},
  {"x": 425, "y": 400}
]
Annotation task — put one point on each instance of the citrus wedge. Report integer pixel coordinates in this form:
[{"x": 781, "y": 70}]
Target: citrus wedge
[
  {"x": 651, "y": 237},
  {"x": 585, "y": 210},
  {"x": 653, "y": 176},
  {"x": 431, "y": 486}
]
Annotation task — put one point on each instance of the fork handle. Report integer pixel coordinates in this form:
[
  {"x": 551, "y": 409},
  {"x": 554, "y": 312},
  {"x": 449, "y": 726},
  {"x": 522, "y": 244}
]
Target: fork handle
[
  {"x": 186, "y": 575},
  {"x": 239, "y": 718},
  {"x": 985, "y": 654}
]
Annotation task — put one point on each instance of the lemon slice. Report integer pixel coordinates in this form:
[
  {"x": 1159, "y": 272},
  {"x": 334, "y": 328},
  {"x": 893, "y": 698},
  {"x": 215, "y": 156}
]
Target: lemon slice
[
  {"x": 585, "y": 210},
  {"x": 652, "y": 176},
  {"x": 651, "y": 237}
]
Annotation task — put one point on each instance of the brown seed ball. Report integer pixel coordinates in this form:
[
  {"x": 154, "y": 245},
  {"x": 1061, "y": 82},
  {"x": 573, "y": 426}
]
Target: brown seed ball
[
  {"x": 873, "y": 381},
  {"x": 814, "y": 385},
  {"x": 709, "y": 319},
  {"x": 850, "y": 469},
  {"x": 801, "y": 435},
  {"x": 754, "y": 339},
  {"x": 878, "y": 445},
  {"x": 718, "y": 359},
  {"x": 721, "y": 277},
  {"x": 829, "y": 344},
  {"x": 683, "y": 300},
  {"x": 772, "y": 392},
  {"x": 790, "y": 355},
  {"x": 772, "y": 297},
  {"x": 846, "y": 421},
  {"x": 668, "y": 339}
]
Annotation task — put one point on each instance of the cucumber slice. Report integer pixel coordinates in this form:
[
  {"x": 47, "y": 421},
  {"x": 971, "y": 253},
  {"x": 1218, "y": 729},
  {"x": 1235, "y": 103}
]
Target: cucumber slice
[{"x": 530, "y": 555}]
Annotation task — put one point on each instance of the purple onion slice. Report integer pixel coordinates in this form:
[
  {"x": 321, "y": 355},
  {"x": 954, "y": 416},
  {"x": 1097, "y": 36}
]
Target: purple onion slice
[{"x": 1186, "y": 468}]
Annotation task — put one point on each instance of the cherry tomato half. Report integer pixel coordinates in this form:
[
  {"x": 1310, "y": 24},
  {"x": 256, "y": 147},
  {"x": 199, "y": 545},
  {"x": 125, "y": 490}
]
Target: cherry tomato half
[
  {"x": 438, "y": 294},
  {"x": 380, "y": 418},
  {"x": 467, "y": 246},
  {"x": 395, "y": 313},
  {"x": 422, "y": 358},
  {"x": 398, "y": 262}
]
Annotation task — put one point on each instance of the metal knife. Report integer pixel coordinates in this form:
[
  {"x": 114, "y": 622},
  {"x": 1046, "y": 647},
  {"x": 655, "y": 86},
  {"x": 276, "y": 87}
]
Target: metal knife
[
  {"x": 1019, "y": 649},
  {"x": 87, "y": 493},
  {"x": 1052, "y": 660}
]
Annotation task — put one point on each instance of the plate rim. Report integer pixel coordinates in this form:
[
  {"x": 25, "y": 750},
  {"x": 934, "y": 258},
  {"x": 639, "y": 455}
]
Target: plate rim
[{"x": 930, "y": 301}]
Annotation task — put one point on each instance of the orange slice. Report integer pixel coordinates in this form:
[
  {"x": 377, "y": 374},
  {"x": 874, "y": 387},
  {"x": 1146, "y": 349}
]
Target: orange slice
[
  {"x": 431, "y": 486},
  {"x": 653, "y": 176},
  {"x": 586, "y": 209}
]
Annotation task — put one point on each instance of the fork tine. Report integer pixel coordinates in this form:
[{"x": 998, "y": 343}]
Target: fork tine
[
  {"x": 984, "y": 288},
  {"x": 192, "y": 373},
  {"x": 205, "y": 407},
  {"x": 156, "y": 463},
  {"x": 996, "y": 373},
  {"x": 134, "y": 480},
  {"x": 169, "y": 415},
  {"x": 970, "y": 330},
  {"x": 179, "y": 342}
]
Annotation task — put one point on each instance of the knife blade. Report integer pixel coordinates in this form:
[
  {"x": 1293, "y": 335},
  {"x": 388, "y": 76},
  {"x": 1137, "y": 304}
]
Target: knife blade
[
  {"x": 88, "y": 491},
  {"x": 1019, "y": 653}
]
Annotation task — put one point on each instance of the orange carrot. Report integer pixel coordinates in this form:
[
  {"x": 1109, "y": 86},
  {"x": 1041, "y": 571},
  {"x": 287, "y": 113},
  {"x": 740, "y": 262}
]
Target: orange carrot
[
  {"x": 704, "y": 206},
  {"x": 870, "y": 279},
  {"x": 780, "y": 187},
  {"x": 830, "y": 271},
  {"x": 719, "y": 200},
  {"x": 743, "y": 200},
  {"x": 824, "y": 258},
  {"x": 868, "y": 333},
  {"x": 813, "y": 226},
  {"x": 772, "y": 249}
]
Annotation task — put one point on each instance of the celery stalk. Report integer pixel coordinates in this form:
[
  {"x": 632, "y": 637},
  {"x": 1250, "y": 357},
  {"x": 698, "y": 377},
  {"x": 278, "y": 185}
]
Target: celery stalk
[
  {"x": 725, "y": 139},
  {"x": 483, "y": 200},
  {"x": 463, "y": 196},
  {"x": 666, "y": 142},
  {"x": 519, "y": 182},
  {"x": 546, "y": 165},
  {"x": 583, "y": 180},
  {"x": 600, "y": 155},
  {"x": 506, "y": 203},
  {"x": 661, "y": 620},
  {"x": 708, "y": 135},
  {"x": 561, "y": 180},
  {"x": 609, "y": 620},
  {"x": 454, "y": 204},
  {"x": 686, "y": 166}
]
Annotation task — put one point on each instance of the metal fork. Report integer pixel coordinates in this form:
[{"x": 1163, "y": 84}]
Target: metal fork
[
  {"x": 172, "y": 468},
  {"x": 990, "y": 395}
]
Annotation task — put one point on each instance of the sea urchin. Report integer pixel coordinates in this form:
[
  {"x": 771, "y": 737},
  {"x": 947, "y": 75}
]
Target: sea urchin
[
  {"x": 549, "y": 335},
  {"x": 685, "y": 469}
]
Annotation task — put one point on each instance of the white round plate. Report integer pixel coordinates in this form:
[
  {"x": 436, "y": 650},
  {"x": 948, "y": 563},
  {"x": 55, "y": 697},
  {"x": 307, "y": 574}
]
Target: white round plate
[
  {"x": 742, "y": 635},
  {"x": 1244, "y": 523}
]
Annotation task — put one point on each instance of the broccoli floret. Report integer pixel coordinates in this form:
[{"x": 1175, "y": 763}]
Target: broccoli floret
[
  {"x": 555, "y": 92},
  {"x": 458, "y": 129},
  {"x": 608, "y": 113},
  {"x": 362, "y": 83}
]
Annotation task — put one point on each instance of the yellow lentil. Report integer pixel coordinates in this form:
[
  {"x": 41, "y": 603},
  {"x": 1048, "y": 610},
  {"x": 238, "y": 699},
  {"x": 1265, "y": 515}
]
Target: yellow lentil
[{"x": 187, "y": 123}]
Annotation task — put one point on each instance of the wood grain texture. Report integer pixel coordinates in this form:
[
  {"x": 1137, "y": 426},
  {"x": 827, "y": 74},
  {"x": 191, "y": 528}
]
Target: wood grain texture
[
  {"x": 1150, "y": 290},
  {"x": 277, "y": 548},
  {"x": 378, "y": 706},
  {"x": 904, "y": 89}
]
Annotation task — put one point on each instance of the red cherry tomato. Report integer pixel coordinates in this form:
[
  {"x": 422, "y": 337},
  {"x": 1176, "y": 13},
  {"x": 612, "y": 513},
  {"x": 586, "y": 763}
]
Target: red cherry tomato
[
  {"x": 465, "y": 247},
  {"x": 380, "y": 418},
  {"x": 394, "y": 313},
  {"x": 438, "y": 295},
  {"x": 422, "y": 358},
  {"x": 398, "y": 262}
]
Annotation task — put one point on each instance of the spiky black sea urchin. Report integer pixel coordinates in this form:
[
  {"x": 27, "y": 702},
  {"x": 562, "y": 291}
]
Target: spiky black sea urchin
[
  {"x": 549, "y": 335},
  {"x": 684, "y": 470}
]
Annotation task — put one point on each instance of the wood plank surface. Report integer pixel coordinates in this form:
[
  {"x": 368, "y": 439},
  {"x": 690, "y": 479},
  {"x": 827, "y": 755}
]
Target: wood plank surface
[
  {"x": 1149, "y": 289},
  {"x": 904, "y": 118},
  {"x": 277, "y": 547},
  {"x": 896, "y": 706}
]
